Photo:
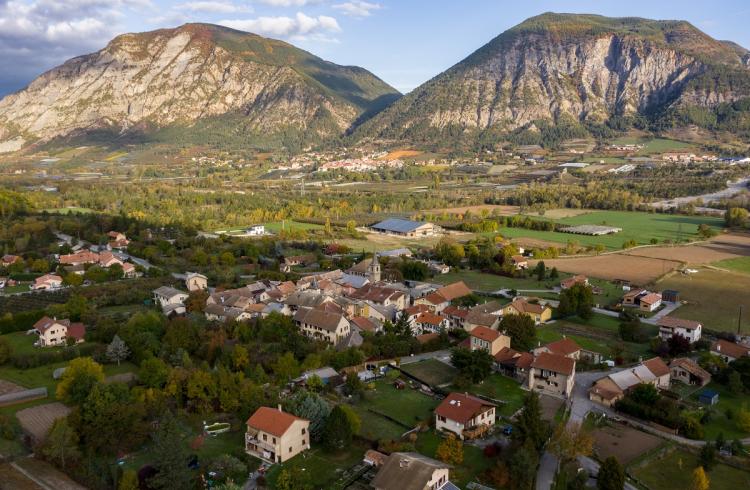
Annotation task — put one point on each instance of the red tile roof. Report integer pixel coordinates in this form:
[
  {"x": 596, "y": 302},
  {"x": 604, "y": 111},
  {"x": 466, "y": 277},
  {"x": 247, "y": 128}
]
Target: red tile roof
[
  {"x": 416, "y": 309},
  {"x": 555, "y": 363},
  {"x": 673, "y": 322},
  {"x": 462, "y": 407},
  {"x": 77, "y": 331},
  {"x": 454, "y": 290},
  {"x": 429, "y": 318},
  {"x": 455, "y": 311},
  {"x": 730, "y": 349},
  {"x": 657, "y": 366},
  {"x": 364, "y": 323},
  {"x": 523, "y": 306},
  {"x": 272, "y": 421},
  {"x": 564, "y": 347},
  {"x": 572, "y": 281},
  {"x": 650, "y": 299},
  {"x": 436, "y": 298},
  {"x": 505, "y": 354},
  {"x": 485, "y": 333}
]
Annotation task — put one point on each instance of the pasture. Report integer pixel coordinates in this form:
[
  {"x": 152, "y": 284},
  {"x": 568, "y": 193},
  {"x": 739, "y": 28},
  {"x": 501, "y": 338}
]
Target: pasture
[
  {"x": 712, "y": 297},
  {"x": 674, "y": 469},
  {"x": 739, "y": 264},
  {"x": 639, "y": 227}
]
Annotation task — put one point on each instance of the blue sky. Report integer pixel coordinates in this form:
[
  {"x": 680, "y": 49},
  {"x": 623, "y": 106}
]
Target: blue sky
[{"x": 405, "y": 42}]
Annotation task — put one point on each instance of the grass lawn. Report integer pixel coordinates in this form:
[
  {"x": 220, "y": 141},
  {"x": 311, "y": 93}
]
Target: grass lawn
[
  {"x": 376, "y": 427},
  {"x": 475, "y": 463},
  {"x": 490, "y": 282},
  {"x": 640, "y": 227},
  {"x": 674, "y": 470},
  {"x": 740, "y": 264},
  {"x": 719, "y": 423},
  {"x": 431, "y": 371},
  {"x": 321, "y": 469},
  {"x": 501, "y": 388},
  {"x": 42, "y": 375},
  {"x": 289, "y": 225},
  {"x": 408, "y": 406},
  {"x": 19, "y": 288},
  {"x": 712, "y": 297}
]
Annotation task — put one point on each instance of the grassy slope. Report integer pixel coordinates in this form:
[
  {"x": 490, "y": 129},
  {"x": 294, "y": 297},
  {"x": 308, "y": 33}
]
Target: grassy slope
[{"x": 674, "y": 470}]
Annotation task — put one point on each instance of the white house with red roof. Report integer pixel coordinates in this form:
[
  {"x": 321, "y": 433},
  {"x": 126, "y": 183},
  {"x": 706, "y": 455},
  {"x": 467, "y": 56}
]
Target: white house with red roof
[
  {"x": 464, "y": 415},
  {"x": 53, "y": 332},
  {"x": 276, "y": 436},
  {"x": 670, "y": 325},
  {"x": 552, "y": 373},
  {"x": 47, "y": 281}
]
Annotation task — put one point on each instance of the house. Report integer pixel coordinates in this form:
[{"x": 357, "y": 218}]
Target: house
[
  {"x": 276, "y": 436},
  {"x": 54, "y": 332},
  {"x": 608, "y": 390},
  {"x": 487, "y": 339},
  {"x": 327, "y": 375},
  {"x": 483, "y": 315},
  {"x": 632, "y": 297},
  {"x": 256, "y": 230},
  {"x": 519, "y": 262},
  {"x": 538, "y": 312},
  {"x": 552, "y": 373},
  {"x": 117, "y": 239},
  {"x": 434, "y": 301},
  {"x": 128, "y": 270},
  {"x": 380, "y": 295},
  {"x": 689, "y": 372},
  {"x": 650, "y": 302},
  {"x": 513, "y": 363},
  {"x": 455, "y": 316},
  {"x": 221, "y": 313},
  {"x": 322, "y": 325},
  {"x": 47, "y": 281},
  {"x": 108, "y": 259},
  {"x": 572, "y": 281},
  {"x": 81, "y": 257},
  {"x": 196, "y": 282},
  {"x": 454, "y": 290},
  {"x": 405, "y": 228},
  {"x": 9, "y": 260},
  {"x": 563, "y": 347},
  {"x": 168, "y": 296},
  {"x": 428, "y": 322},
  {"x": 464, "y": 415},
  {"x": 411, "y": 471},
  {"x": 729, "y": 351},
  {"x": 374, "y": 458},
  {"x": 669, "y": 326},
  {"x": 364, "y": 324}
]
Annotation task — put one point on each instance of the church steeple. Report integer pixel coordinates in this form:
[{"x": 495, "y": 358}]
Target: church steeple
[{"x": 373, "y": 270}]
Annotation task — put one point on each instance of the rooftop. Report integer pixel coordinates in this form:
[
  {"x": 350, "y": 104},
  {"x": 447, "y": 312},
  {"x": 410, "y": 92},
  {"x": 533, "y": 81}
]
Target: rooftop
[
  {"x": 272, "y": 421},
  {"x": 398, "y": 225}
]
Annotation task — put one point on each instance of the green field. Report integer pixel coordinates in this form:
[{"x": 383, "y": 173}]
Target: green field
[
  {"x": 712, "y": 297},
  {"x": 69, "y": 210},
  {"x": 654, "y": 145},
  {"x": 674, "y": 470},
  {"x": 640, "y": 227},
  {"x": 408, "y": 406},
  {"x": 491, "y": 282},
  {"x": 24, "y": 344},
  {"x": 290, "y": 225},
  {"x": 740, "y": 264},
  {"x": 475, "y": 463},
  {"x": 502, "y": 389},
  {"x": 431, "y": 371}
]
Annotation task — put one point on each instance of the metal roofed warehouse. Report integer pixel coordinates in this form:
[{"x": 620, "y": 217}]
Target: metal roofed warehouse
[{"x": 405, "y": 227}]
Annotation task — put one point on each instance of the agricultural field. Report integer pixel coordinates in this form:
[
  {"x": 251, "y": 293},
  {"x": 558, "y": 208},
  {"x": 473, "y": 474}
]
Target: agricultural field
[
  {"x": 374, "y": 242},
  {"x": 625, "y": 443},
  {"x": 674, "y": 468},
  {"x": 740, "y": 264},
  {"x": 12, "y": 479},
  {"x": 431, "y": 371},
  {"x": 490, "y": 282},
  {"x": 637, "y": 226},
  {"x": 638, "y": 270},
  {"x": 712, "y": 297},
  {"x": 724, "y": 248},
  {"x": 47, "y": 474},
  {"x": 655, "y": 145},
  {"x": 478, "y": 209}
]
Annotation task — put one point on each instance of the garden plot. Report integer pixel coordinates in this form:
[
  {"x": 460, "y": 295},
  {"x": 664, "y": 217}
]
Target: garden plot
[
  {"x": 625, "y": 443},
  {"x": 38, "y": 420}
]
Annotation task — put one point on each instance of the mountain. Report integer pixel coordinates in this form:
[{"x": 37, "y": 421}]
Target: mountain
[
  {"x": 576, "y": 72},
  {"x": 193, "y": 82}
]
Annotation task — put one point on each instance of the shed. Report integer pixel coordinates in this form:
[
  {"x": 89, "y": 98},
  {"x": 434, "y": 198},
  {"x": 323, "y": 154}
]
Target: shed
[
  {"x": 708, "y": 397},
  {"x": 670, "y": 296}
]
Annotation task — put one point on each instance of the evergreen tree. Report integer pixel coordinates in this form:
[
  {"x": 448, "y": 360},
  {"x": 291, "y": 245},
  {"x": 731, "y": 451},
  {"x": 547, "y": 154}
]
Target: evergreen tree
[
  {"x": 540, "y": 270},
  {"x": 170, "y": 456},
  {"x": 530, "y": 426},
  {"x": 117, "y": 350},
  {"x": 611, "y": 475},
  {"x": 338, "y": 430}
]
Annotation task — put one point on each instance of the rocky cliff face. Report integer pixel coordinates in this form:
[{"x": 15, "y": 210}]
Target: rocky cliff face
[
  {"x": 179, "y": 76},
  {"x": 581, "y": 68}
]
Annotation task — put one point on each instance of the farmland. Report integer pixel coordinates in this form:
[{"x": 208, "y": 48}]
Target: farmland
[
  {"x": 722, "y": 248},
  {"x": 674, "y": 468},
  {"x": 740, "y": 264},
  {"x": 640, "y": 227},
  {"x": 639, "y": 270},
  {"x": 712, "y": 297},
  {"x": 653, "y": 145}
]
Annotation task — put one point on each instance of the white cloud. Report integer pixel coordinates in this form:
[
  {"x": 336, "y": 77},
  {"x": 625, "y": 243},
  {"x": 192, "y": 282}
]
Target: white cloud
[
  {"x": 215, "y": 7},
  {"x": 290, "y": 3},
  {"x": 301, "y": 26},
  {"x": 358, "y": 8}
]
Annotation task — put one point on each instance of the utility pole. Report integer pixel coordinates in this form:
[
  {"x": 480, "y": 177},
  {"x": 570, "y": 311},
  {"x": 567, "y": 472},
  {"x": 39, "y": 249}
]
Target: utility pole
[{"x": 739, "y": 321}]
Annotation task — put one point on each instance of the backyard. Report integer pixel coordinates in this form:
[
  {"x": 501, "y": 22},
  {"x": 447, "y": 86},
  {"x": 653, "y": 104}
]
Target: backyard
[
  {"x": 673, "y": 469},
  {"x": 474, "y": 464},
  {"x": 431, "y": 372}
]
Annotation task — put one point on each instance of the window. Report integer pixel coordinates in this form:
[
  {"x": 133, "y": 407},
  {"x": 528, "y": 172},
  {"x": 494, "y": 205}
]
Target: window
[
  {"x": 303, "y": 431},
  {"x": 274, "y": 440},
  {"x": 290, "y": 449},
  {"x": 265, "y": 438}
]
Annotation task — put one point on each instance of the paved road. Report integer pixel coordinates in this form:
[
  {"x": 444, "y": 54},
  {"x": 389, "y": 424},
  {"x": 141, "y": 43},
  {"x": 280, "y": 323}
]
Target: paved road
[
  {"x": 662, "y": 313},
  {"x": 545, "y": 476}
]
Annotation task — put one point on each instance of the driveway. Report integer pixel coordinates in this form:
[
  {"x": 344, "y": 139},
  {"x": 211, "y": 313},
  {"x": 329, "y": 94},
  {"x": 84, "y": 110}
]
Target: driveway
[{"x": 662, "y": 313}]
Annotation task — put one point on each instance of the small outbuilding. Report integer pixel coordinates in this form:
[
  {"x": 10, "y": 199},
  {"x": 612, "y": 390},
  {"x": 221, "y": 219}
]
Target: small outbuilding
[{"x": 708, "y": 397}]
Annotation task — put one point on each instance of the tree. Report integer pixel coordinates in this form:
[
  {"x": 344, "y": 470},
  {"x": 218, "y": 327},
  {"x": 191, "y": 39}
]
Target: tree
[
  {"x": 313, "y": 408},
  {"x": 611, "y": 475},
  {"x": 553, "y": 274},
  {"x": 292, "y": 479},
  {"x": 450, "y": 252},
  {"x": 734, "y": 382},
  {"x": 240, "y": 358},
  {"x": 520, "y": 329},
  {"x": 474, "y": 365},
  {"x": 201, "y": 390},
  {"x": 743, "y": 420},
  {"x": 6, "y": 350},
  {"x": 354, "y": 421},
  {"x": 707, "y": 456},
  {"x": 170, "y": 456},
  {"x": 530, "y": 426},
  {"x": 286, "y": 367},
  {"x": 540, "y": 270},
  {"x": 522, "y": 467},
  {"x": 700, "y": 480},
  {"x": 450, "y": 450},
  {"x": 678, "y": 345},
  {"x": 576, "y": 300},
  {"x": 153, "y": 372},
  {"x": 129, "y": 481},
  {"x": 338, "y": 430},
  {"x": 736, "y": 217},
  {"x": 61, "y": 444},
  {"x": 570, "y": 442},
  {"x": 117, "y": 350},
  {"x": 705, "y": 232},
  {"x": 79, "y": 378}
]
